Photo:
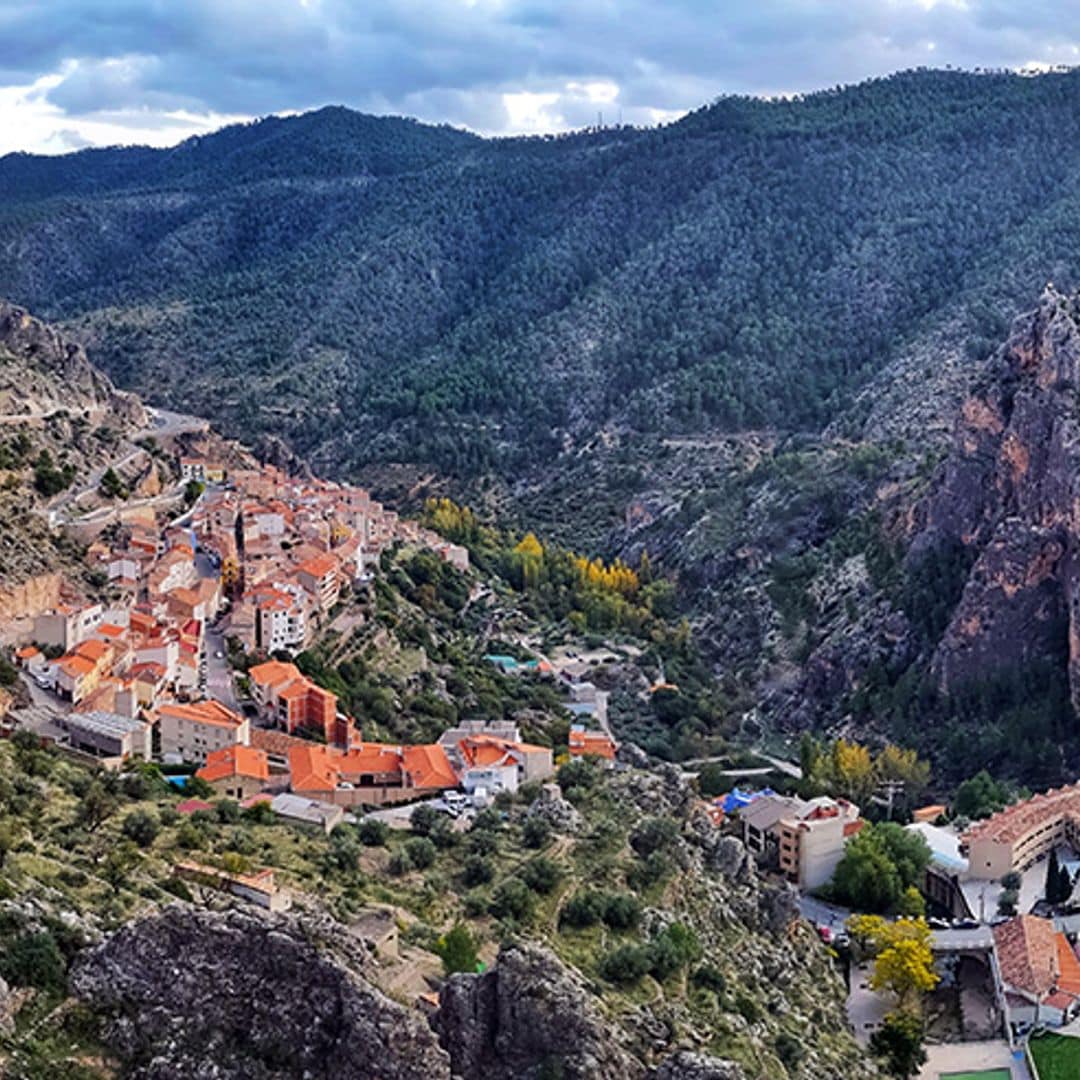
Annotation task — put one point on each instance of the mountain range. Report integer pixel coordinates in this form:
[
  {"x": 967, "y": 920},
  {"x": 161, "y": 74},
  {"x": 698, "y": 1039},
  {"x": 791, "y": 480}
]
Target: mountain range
[{"x": 473, "y": 304}]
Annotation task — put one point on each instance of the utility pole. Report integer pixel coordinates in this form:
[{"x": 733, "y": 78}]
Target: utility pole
[{"x": 889, "y": 789}]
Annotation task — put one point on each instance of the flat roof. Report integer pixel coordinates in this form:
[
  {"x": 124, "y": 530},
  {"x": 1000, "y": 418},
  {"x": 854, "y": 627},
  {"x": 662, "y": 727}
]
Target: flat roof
[{"x": 105, "y": 723}]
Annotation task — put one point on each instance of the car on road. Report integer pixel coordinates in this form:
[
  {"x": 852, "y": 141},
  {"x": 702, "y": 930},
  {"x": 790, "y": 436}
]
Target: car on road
[{"x": 219, "y": 655}]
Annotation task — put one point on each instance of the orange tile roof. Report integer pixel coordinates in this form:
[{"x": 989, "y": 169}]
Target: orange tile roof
[
  {"x": 318, "y": 566},
  {"x": 277, "y": 743},
  {"x": 429, "y": 766},
  {"x": 202, "y": 712},
  {"x": 1068, "y": 967},
  {"x": 273, "y": 672},
  {"x": 75, "y": 665},
  {"x": 26, "y": 652},
  {"x": 591, "y": 743},
  {"x": 1027, "y": 953},
  {"x": 310, "y": 769},
  {"x": 92, "y": 649},
  {"x": 235, "y": 761},
  {"x": 1016, "y": 821},
  {"x": 110, "y": 630}
]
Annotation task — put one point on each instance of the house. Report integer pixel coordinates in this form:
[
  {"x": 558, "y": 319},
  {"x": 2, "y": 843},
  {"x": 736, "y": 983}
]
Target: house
[
  {"x": 319, "y": 576},
  {"x": 594, "y": 744},
  {"x": 491, "y": 763},
  {"x": 79, "y": 672},
  {"x": 109, "y": 735},
  {"x": 257, "y": 888},
  {"x": 804, "y": 839},
  {"x": 308, "y": 813},
  {"x": 67, "y": 625},
  {"x": 812, "y": 842},
  {"x": 1040, "y": 971},
  {"x": 293, "y": 700},
  {"x": 370, "y": 774},
  {"x": 1020, "y": 835},
  {"x": 236, "y": 771},
  {"x": 193, "y": 732},
  {"x": 281, "y": 616}
]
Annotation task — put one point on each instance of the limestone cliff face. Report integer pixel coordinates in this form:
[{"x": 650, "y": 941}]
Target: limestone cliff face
[
  {"x": 41, "y": 371},
  {"x": 1010, "y": 495},
  {"x": 198, "y": 994}
]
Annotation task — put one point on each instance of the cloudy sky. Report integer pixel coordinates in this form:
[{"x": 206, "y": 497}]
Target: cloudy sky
[{"x": 92, "y": 72}]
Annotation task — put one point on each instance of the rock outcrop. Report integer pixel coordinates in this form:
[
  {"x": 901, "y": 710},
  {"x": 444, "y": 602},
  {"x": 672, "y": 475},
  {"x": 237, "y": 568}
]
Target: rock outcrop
[
  {"x": 529, "y": 1016},
  {"x": 207, "y": 995},
  {"x": 41, "y": 371},
  {"x": 1010, "y": 499}
]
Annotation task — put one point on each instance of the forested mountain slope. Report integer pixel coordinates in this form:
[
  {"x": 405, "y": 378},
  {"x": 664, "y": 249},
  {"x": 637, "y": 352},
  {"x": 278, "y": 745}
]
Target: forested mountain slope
[{"x": 433, "y": 296}]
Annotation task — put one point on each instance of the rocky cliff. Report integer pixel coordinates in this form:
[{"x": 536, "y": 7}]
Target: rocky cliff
[
  {"x": 1009, "y": 502},
  {"x": 41, "y": 372},
  {"x": 201, "y": 995}
]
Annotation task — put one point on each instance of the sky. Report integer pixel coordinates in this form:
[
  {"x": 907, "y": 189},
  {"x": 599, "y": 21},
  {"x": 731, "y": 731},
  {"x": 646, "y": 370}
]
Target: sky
[{"x": 77, "y": 73}]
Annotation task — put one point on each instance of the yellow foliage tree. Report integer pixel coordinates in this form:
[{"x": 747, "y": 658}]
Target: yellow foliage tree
[
  {"x": 904, "y": 960},
  {"x": 853, "y": 769},
  {"x": 896, "y": 763}
]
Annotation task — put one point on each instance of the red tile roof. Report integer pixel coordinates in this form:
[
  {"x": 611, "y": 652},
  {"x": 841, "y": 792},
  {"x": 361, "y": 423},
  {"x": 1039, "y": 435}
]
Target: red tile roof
[
  {"x": 1027, "y": 953},
  {"x": 231, "y": 761}
]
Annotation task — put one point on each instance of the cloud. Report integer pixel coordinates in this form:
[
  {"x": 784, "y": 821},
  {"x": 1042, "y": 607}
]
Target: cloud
[{"x": 119, "y": 70}]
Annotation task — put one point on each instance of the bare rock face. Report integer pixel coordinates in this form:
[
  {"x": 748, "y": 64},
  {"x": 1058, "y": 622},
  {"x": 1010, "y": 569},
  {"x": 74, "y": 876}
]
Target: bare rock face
[
  {"x": 688, "y": 1066},
  {"x": 50, "y": 372},
  {"x": 208, "y": 995},
  {"x": 528, "y": 1017},
  {"x": 550, "y": 806},
  {"x": 1010, "y": 496}
]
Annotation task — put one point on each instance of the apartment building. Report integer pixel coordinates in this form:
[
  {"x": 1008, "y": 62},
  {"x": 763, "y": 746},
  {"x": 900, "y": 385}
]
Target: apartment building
[
  {"x": 292, "y": 700},
  {"x": 193, "y": 732},
  {"x": 1022, "y": 834},
  {"x": 319, "y": 576}
]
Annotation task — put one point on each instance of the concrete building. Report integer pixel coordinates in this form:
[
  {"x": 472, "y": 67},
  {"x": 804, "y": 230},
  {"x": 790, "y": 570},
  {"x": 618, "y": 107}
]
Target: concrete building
[
  {"x": 1020, "y": 835},
  {"x": 258, "y": 888},
  {"x": 236, "y": 772},
  {"x": 193, "y": 732},
  {"x": 67, "y": 625},
  {"x": 109, "y": 735},
  {"x": 812, "y": 842},
  {"x": 308, "y": 813}
]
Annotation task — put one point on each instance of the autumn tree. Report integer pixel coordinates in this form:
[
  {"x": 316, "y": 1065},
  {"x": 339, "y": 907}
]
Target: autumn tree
[{"x": 903, "y": 957}]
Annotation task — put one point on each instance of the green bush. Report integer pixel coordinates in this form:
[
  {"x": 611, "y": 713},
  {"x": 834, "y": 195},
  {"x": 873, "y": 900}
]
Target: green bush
[
  {"x": 477, "y": 871},
  {"x": 583, "y": 909},
  {"x": 512, "y": 900},
  {"x": 142, "y": 827},
  {"x": 421, "y": 852},
  {"x": 541, "y": 874},
  {"x": 373, "y": 833},
  {"x": 536, "y": 832},
  {"x": 34, "y": 960},
  {"x": 626, "y": 964}
]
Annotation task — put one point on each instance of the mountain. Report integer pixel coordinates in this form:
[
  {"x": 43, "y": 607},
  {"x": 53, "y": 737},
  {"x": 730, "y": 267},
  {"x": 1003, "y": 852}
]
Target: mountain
[{"x": 435, "y": 297}]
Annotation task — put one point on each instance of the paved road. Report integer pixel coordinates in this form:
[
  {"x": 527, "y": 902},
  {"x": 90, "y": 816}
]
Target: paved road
[
  {"x": 219, "y": 678},
  {"x": 821, "y": 913}
]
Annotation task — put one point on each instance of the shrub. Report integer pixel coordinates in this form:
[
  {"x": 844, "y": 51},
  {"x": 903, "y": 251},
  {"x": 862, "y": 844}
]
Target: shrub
[
  {"x": 34, "y": 960},
  {"x": 477, "y": 871},
  {"x": 228, "y": 811},
  {"x": 653, "y": 834},
  {"x": 672, "y": 949},
  {"x": 626, "y": 964},
  {"x": 484, "y": 842},
  {"x": 142, "y": 827},
  {"x": 421, "y": 852},
  {"x": 423, "y": 819},
  {"x": 578, "y": 773},
  {"x": 399, "y": 863},
  {"x": 541, "y": 874},
  {"x": 582, "y": 909},
  {"x": 710, "y": 978},
  {"x": 373, "y": 833},
  {"x": 536, "y": 832},
  {"x": 649, "y": 871},
  {"x": 512, "y": 899},
  {"x": 457, "y": 948},
  {"x": 621, "y": 911}
]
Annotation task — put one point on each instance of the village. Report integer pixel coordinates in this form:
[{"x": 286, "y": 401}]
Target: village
[{"x": 258, "y": 563}]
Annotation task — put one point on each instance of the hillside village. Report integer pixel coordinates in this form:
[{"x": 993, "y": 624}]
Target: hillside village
[{"x": 257, "y": 564}]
